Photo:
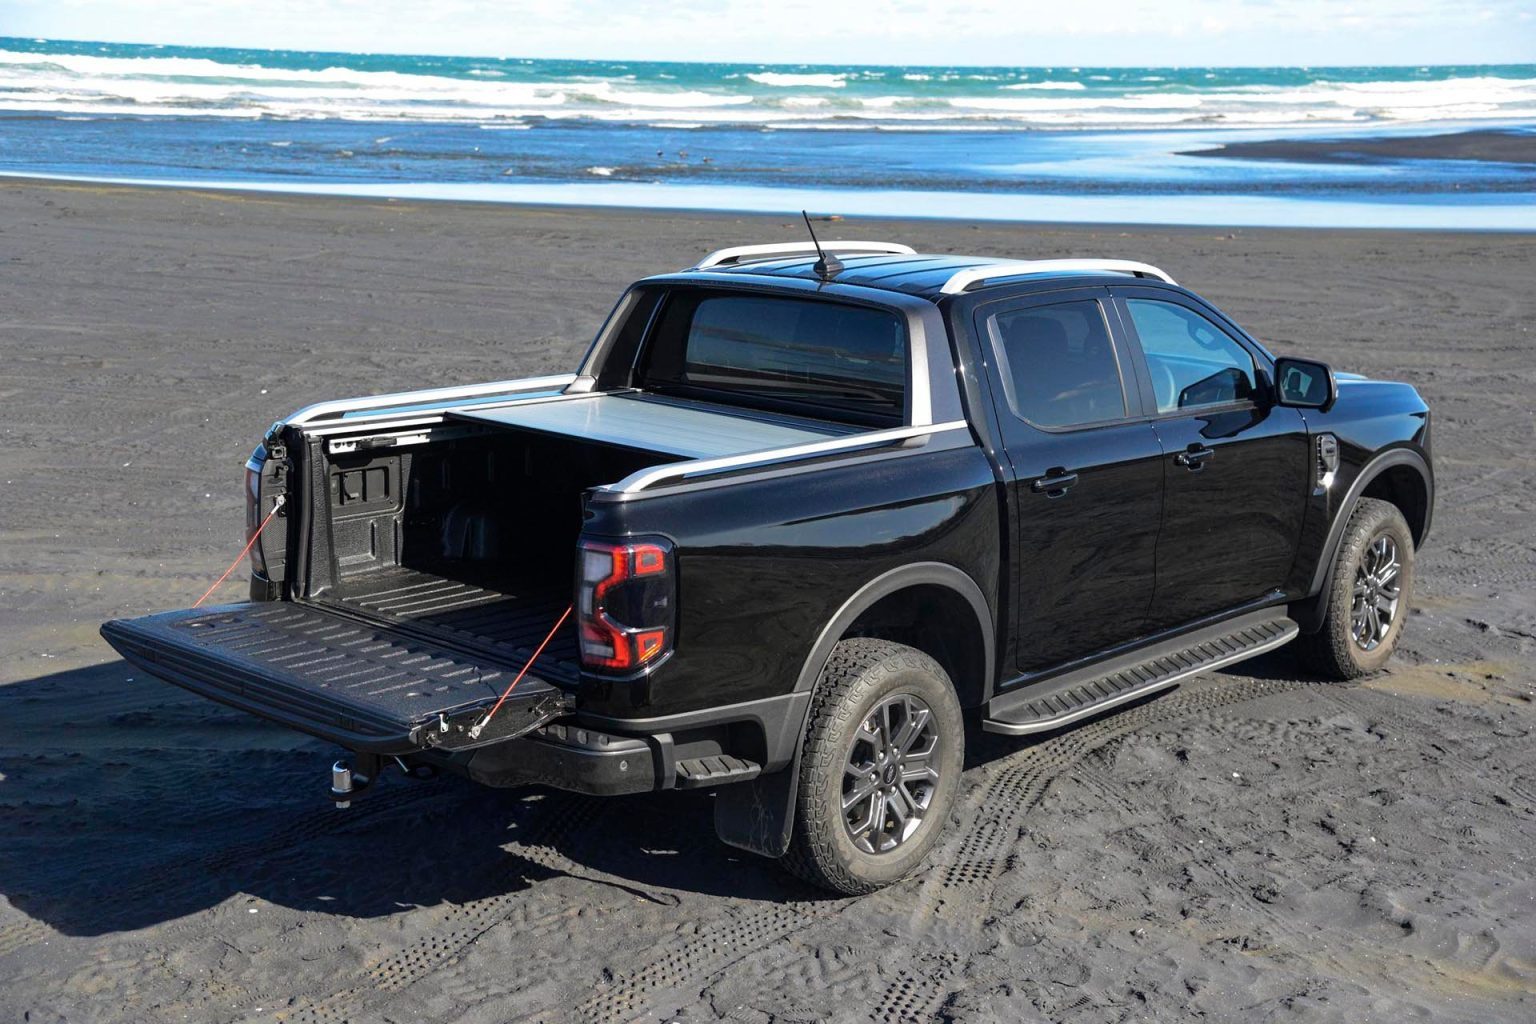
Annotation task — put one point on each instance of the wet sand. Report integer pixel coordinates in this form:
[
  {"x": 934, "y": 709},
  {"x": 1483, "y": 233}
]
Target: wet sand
[
  {"x": 1253, "y": 846},
  {"x": 1485, "y": 145}
]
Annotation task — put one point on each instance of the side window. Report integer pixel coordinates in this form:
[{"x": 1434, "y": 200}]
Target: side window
[
  {"x": 1057, "y": 364},
  {"x": 1193, "y": 362}
]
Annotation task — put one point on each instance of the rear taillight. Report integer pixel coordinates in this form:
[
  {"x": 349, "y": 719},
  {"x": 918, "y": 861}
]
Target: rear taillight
[{"x": 624, "y": 604}]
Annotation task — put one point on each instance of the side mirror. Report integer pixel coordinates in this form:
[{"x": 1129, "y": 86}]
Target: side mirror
[{"x": 1305, "y": 384}]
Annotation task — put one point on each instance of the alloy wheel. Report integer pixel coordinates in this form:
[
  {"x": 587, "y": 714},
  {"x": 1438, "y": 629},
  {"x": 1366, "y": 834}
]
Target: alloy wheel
[
  {"x": 1378, "y": 591},
  {"x": 891, "y": 774}
]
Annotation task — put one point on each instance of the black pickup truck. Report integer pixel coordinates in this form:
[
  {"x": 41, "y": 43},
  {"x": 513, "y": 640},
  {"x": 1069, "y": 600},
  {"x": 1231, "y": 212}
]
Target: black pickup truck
[{"x": 795, "y": 516}]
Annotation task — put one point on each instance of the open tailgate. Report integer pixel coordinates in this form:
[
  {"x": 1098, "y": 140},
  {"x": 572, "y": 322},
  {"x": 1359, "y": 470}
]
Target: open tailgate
[{"x": 365, "y": 687}]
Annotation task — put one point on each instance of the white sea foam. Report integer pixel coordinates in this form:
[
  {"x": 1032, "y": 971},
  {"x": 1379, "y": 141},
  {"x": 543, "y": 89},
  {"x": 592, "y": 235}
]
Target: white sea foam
[
  {"x": 788, "y": 80},
  {"x": 1067, "y": 86},
  {"x": 93, "y": 85}
]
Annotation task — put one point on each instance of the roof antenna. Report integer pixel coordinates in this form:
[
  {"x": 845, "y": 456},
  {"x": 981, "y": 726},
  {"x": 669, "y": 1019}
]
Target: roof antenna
[{"x": 827, "y": 267}]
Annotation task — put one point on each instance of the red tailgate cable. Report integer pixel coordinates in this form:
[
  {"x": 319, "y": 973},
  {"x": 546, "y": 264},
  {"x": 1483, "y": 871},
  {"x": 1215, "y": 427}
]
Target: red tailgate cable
[
  {"x": 281, "y": 498},
  {"x": 478, "y": 727}
]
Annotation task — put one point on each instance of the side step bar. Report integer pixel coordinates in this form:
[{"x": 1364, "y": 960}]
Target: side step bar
[{"x": 1053, "y": 703}]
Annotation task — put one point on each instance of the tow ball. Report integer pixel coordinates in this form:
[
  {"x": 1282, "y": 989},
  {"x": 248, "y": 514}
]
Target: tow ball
[{"x": 349, "y": 780}]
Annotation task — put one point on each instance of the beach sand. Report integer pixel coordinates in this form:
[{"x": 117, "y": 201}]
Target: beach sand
[{"x": 1254, "y": 846}]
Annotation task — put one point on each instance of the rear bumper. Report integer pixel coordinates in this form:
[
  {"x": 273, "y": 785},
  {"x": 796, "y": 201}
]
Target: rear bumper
[{"x": 573, "y": 759}]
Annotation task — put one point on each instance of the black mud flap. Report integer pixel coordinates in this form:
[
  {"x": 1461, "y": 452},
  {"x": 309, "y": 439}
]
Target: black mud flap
[{"x": 365, "y": 687}]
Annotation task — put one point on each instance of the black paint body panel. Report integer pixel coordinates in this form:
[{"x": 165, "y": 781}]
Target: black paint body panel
[{"x": 765, "y": 563}]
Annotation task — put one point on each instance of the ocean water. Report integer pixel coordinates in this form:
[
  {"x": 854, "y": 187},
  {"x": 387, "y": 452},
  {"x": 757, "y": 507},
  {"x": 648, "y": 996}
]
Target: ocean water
[{"x": 699, "y": 135}]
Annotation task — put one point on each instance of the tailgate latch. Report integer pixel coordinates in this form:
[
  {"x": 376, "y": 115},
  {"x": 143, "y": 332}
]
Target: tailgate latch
[{"x": 468, "y": 728}]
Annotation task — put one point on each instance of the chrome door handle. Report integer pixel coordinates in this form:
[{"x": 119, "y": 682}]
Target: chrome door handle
[
  {"x": 1194, "y": 458},
  {"x": 1054, "y": 483}
]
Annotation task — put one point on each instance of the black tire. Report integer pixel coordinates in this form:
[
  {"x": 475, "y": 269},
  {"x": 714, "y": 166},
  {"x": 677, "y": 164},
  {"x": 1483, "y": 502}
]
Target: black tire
[
  {"x": 1337, "y": 651},
  {"x": 865, "y": 677}
]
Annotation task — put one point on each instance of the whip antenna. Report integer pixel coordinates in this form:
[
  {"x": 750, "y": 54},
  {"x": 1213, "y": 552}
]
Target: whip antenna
[{"x": 827, "y": 267}]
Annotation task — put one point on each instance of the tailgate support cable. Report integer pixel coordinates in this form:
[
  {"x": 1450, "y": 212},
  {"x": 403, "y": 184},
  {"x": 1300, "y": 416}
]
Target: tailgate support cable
[
  {"x": 255, "y": 536},
  {"x": 479, "y": 727}
]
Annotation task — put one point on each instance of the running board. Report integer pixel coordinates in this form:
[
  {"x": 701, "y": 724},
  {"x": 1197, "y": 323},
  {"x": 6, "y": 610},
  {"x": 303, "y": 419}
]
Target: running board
[{"x": 1053, "y": 703}]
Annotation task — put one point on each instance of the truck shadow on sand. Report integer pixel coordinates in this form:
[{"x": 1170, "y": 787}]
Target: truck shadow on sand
[{"x": 129, "y": 804}]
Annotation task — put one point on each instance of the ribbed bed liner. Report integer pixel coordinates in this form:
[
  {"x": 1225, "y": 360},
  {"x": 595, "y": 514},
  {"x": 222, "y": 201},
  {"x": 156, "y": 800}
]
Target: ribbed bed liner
[
  {"x": 367, "y": 687},
  {"x": 507, "y": 617}
]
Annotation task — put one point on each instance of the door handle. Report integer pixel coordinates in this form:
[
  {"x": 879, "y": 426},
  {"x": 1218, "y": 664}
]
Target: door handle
[
  {"x": 1055, "y": 482},
  {"x": 1194, "y": 457}
]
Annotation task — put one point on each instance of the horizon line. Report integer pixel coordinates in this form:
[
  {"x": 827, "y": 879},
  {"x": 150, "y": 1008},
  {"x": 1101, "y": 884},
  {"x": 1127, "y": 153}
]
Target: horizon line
[{"x": 1411, "y": 65}]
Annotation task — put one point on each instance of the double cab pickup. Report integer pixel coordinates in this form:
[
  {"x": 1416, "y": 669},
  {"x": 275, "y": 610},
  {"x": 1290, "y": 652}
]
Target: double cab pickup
[{"x": 800, "y": 513}]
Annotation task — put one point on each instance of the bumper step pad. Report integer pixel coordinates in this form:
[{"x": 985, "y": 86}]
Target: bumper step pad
[
  {"x": 1053, "y": 703},
  {"x": 711, "y": 771}
]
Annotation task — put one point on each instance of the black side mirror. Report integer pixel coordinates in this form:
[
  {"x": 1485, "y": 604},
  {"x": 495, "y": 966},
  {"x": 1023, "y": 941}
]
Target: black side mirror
[{"x": 1305, "y": 384}]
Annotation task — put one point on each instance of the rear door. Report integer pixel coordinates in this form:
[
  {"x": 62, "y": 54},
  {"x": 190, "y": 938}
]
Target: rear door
[
  {"x": 1086, "y": 475},
  {"x": 1237, "y": 468}
]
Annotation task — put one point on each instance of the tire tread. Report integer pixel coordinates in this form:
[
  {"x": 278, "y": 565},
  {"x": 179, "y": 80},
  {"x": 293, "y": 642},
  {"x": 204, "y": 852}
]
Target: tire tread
[
  {"x": 1331, "y": 651},
  {"x": 811, "y": 855}
]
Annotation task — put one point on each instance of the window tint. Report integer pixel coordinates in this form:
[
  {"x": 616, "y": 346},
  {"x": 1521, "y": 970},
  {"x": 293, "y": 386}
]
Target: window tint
[
  {"x": 1057, "y": 364},
  {"x": 785, "y": 353},
  {"x": 1193, "y": 362}
]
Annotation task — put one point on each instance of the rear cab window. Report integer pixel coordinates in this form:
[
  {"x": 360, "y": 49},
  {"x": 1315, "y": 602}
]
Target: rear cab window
[
  {"x": 1057, "y": 364},
  {"x": 807, "y": 357}
]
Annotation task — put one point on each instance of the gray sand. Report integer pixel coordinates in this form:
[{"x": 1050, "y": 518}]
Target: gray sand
[{"x": 1254, "y": 846}]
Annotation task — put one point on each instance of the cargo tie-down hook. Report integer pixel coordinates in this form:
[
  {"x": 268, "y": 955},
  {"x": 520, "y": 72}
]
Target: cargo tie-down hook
[{"x": 255, "y": 536}]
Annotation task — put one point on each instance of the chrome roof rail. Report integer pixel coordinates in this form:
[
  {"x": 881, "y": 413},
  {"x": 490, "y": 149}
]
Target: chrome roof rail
[
  {"x": 746, "y": 253},
  {"x": 961, "y": 280}
]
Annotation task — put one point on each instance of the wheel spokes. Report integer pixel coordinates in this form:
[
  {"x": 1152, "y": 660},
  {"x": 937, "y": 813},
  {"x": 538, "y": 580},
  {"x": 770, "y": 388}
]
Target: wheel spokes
[
  {"x": 911, "y": 729},
  {"x": 890, "y": 774},
  {"x": 860, "y": 793}
]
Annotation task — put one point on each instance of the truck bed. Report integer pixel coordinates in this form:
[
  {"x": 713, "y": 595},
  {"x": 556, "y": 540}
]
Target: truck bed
[{"x": 504, "y": 617}]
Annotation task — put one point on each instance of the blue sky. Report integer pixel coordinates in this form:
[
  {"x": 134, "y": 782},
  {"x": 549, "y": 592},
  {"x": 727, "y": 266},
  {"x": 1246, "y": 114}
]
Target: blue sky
[{"x": 1062, "y": 32}]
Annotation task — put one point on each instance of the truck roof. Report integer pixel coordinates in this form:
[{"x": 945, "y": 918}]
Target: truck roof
[{"x": 894, "y": 267}]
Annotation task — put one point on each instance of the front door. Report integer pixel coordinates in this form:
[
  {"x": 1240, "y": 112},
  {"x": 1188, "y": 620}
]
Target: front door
[
  {"x": 1237, "y": 468},
  {"x": 1087, "y": 479}
]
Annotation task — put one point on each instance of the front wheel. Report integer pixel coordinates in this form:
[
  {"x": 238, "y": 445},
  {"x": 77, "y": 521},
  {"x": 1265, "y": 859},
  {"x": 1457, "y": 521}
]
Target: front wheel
[
  {"x": 1368, "y": 598},
  {"x": 880, "y": 764}
]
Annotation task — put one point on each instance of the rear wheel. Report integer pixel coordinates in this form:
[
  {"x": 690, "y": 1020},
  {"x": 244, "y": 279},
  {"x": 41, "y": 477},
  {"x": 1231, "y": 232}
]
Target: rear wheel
[
  {"x": 879, "y": 767},
  {"x": 1368, "y": 598}
]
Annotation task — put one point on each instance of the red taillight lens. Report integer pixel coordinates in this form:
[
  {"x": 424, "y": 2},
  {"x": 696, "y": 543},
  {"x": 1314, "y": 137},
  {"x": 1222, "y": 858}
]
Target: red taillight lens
[{"x": 624, "y": 604}]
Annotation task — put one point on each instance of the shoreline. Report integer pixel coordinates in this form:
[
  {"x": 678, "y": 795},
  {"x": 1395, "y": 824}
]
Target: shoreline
[{"x": 1479, "y": 213}]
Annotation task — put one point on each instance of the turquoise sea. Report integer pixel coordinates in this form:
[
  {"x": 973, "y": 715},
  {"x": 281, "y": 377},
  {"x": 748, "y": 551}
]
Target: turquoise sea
[{"x": 986, "y": 142}]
